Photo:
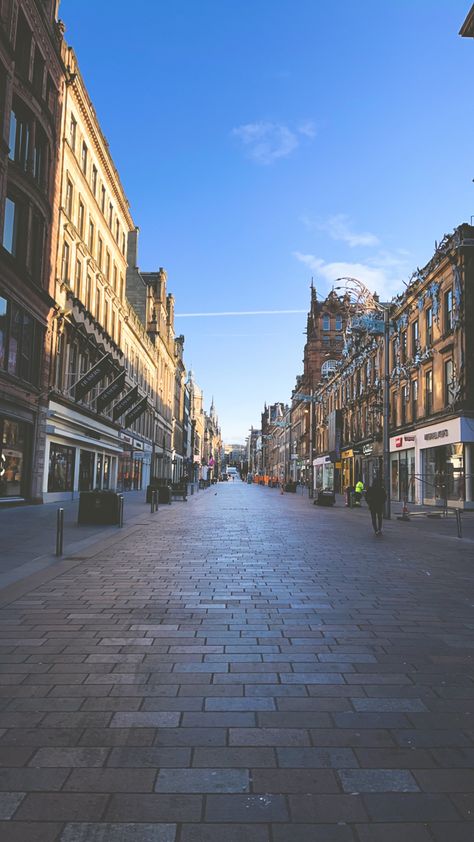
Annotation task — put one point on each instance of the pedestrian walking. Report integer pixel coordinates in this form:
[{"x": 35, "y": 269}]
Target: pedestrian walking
[
  {"x": 359, "y": 490},
  {"x": 376, "y": 496}
]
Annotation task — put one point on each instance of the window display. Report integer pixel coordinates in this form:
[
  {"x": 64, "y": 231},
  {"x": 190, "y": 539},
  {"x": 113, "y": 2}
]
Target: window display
[
  {"x": 13, "y": 443},
  {"x": 61, "y": 467}
]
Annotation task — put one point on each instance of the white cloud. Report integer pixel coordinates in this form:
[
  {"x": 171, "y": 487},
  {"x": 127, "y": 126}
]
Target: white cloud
[
  {"x": 339, "y": 228},
  {"x": 380, "y": 273},
  {"x": 266, "y": 142}
]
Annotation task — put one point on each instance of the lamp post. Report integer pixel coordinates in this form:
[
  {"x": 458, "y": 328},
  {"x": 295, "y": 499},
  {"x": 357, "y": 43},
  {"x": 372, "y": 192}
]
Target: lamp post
[{"x": 362, "y": 301}]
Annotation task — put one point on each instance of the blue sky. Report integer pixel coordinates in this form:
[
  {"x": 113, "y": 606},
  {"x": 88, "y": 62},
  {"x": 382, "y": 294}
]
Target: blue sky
[{"x": 263, "y": 142}]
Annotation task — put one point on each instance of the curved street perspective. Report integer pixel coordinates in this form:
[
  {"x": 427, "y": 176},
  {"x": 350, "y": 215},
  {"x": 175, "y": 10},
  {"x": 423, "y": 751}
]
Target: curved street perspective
[{"x": 245, "y": 666}]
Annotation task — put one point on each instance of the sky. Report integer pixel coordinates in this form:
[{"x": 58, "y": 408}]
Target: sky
[{"x": 262, "y": 143}]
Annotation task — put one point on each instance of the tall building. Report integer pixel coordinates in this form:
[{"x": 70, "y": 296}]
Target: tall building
[{"x": 31, "y": 75}]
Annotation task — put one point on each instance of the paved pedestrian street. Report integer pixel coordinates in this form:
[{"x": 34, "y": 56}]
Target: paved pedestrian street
[{"x": 245, "y": 667}]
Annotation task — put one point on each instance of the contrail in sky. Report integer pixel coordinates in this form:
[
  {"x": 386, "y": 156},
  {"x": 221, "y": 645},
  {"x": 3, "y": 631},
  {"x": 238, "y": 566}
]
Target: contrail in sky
[{"x": 240, "y": 313}]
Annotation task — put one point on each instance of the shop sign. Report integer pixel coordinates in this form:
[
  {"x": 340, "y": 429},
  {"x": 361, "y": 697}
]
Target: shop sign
[
  {"x": 368, "y": 449},
  {"x": 438, "y": 434},
  {"x": 92, "y": 377},
  {"x": 370, "y": 323},
  {"x": 347, "y": 454},
  {"x": 126, "y": 438},
  {"x": 135, "y": 413},
  {"x": 399, "y": 441},
  {"x": 125, "y": 403},
  {"x": 110, "y": 392},
  {"x": 138, "y": 445},
  {"x": 410, "y": 438}
]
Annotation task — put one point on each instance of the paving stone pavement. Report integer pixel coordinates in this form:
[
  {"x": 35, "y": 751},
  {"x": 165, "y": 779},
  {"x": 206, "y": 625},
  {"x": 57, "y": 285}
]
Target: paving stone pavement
[{"x": 248, "y": 669}]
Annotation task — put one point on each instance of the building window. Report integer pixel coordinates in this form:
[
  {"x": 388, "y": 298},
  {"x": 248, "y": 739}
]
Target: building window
[
  {"x": 84, "y": 156},
  {"x": 428, "y": 392},
  {"x": 40, "y": 157},
  {"x": 11, "y": 225},
  {"x": 415, "y": 337},
  {"x": 106, "y": 314},
  {"x": 404, "y": 396},
  {"x": 115, "y": 275},
  {"x": 80, "y": 220},
  {"x": 414, "y": 400},
  {"x": 61, "y": 467},
  {"x": 403, "y": 346},
  {"x": 429, "y": 326},
  {"x": 13, "y": 453},
  {"x": 72, "y": 132},
  {"x": 97, "y": 303},
  {"x": 102, "y": 199},
  {"x": 394, "y": 353},
  {"x": 107, "y": 264},
  {"x": 94, "y": 179},
  {"x": 111, "y": 214},
  {"x": 117, "y": 231},
  {"x": 22, "y": 46},
  {"x": 91, "y": 237},
  {"x": 88, "y": 301},
  {"x": 65, "y": 264},
  {"x": 123, "y": 244},
  {"x": 20, "y": 133},
  {"x": 37, "y": 245},
  {"x": 20, "y": 342},
  {"x": 38, "y": 73},
  {"x": 100, "y": 246},
  {"x": 326, "y": 322},
  {"x": 78, "y": 279},
  {"x": 69, "y": 195},
  {"x": 448, "y": 311},
  {"x": 393, "y": 419},
  {"x": 449, "y": 383},
  {"x": 338, "y": 322}
]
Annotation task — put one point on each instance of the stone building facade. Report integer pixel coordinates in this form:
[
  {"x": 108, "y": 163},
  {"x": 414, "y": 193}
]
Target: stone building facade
[{"x": 31, "y": 78}]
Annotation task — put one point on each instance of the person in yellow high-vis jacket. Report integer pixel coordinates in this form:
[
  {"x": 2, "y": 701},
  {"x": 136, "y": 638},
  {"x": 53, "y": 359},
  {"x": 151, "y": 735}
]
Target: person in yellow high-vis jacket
[{"x": 359, "y": 490}]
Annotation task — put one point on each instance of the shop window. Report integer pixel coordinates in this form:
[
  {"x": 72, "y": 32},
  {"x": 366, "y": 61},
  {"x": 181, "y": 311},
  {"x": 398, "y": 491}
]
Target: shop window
[
  {"x": 429, "y": 326},
  {"x": 449, "y": 383},
  {"x": 13, "y": 452},
  {"x": 428, "y": 392},
  {"x": 61, "y": 467},
  {"x": 72, "y": 132},
  {"x": 448, "y": 311},
  {"x": 86, "y": 470},
  {"x": 326, "y": 322}
]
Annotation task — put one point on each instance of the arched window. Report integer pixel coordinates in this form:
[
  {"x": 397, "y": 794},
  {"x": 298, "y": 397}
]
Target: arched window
[{"x": 328, "y": 368}]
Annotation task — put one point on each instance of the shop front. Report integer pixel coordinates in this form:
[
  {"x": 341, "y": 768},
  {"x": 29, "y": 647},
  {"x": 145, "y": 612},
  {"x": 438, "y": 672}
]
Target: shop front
[
  {"x": 446, "y": 462},
  {"x": 81, "y": 454},
  {"x": 347, "y": 460},
  {"x": 134, "y": 464},
  {"x": 15, "y": 455},
  {"x": 372, "y": 463},
  {"x": 405, "y": 483}
]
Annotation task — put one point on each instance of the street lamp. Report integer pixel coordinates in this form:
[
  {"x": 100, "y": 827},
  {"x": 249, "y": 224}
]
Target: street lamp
[{"x": 364, "y": 302}]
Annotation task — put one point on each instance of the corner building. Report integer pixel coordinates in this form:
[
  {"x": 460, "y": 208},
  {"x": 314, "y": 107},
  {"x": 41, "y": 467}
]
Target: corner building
[{"x": 31, "y": 75}]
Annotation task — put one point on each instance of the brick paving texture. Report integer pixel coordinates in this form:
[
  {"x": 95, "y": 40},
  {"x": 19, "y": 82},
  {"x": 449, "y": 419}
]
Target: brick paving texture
[{"x": 245, "y": 668}]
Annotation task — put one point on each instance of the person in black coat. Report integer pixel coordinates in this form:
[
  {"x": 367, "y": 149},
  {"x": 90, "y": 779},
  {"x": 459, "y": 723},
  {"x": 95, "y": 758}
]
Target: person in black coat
[{"x": 376, "y": 496}]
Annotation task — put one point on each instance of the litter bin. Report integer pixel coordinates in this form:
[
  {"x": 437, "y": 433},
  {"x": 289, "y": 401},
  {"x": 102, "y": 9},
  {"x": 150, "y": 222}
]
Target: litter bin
[
  {"x": 164, "y": 494},
  {"x": 99, "y": 507},
  {"x": 325, "y": 498}
]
